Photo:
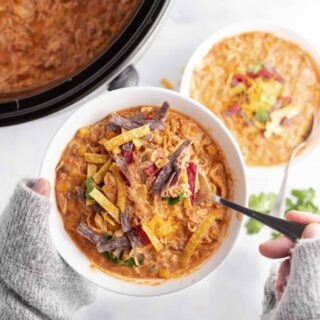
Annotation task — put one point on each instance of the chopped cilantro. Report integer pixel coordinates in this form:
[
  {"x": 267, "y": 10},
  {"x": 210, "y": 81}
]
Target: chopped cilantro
[
  {"x": 262, "y": 115},
  {"x": 129, "y": 263},
  {"x": 89, "y": 187},
  {"x": 254, "y": 68},
  {"x": 275, "y": 235},
  {"x": 106, "y": 236},
  {"x": 262, "y": 202},
  {"x": 140, "y": 260},
  {"x": 171, "y": 201},
  {"x": 300, "y": 200}
]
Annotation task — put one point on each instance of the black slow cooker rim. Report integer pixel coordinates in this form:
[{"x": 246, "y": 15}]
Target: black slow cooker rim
[{"x": 102, "y": 70}]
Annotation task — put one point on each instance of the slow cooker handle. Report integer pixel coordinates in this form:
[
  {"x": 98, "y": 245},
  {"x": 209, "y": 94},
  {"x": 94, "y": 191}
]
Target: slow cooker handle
[{"x": 129, "y": 77}]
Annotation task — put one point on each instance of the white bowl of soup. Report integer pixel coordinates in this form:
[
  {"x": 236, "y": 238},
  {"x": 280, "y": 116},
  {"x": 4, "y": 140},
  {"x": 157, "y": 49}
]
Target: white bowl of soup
[
  {"x": 128, "y": 211},
  {"x": 263, "y": 81}
]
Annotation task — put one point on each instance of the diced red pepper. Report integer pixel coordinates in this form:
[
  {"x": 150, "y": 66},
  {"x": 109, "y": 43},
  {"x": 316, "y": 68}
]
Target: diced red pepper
[
  {"x": 279, "y": 78},
  {"x": 240, "y": 78},
  {"x": 234, "y": 108},
  {"x": 266, "y": 74},
  {"x": 287, "y": 100},
  {"x": 150, "y": 170},
  {"x": 127, "y": 155},
  {"x": 142, "y": 235},
  {"x": 192, "y": 174}
]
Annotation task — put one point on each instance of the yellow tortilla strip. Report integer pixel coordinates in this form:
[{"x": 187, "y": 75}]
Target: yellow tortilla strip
[
  {"x": 99, "y": 175},
  {"x": 121, "y": 186},
  {"x": 152, "y": 237},
  {"x": 105, "y": 203},
  {"x": 108, "y": 219},
  {"x": 96, "y": 158},
  {"x": 89, "y": 202},
  {"x": 124, "y": 137},
  {"x": 201, "y": 231},
  {"x": 91, "y": 169}
]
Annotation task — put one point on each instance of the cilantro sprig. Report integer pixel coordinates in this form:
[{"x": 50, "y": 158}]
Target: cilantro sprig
[
  {"x": 171, "y": 201},
  {"x": 300, "y": 200}
]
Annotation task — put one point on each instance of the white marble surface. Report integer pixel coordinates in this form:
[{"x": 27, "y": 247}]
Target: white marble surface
[{"x": 234, "y": 290}]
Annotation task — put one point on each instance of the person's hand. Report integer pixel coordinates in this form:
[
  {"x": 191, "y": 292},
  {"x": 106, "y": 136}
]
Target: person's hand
[
  {"x": 42, "y": 187},
  {"x": 35, "y": 282},
  {"x": 281, "y": 247}
]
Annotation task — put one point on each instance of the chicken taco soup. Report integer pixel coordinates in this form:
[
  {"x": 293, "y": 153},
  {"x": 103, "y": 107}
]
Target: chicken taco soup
[
  {"x": 45, "y": 41},
  {"x": 128, "y": 189},
  {"x": 264, "y": 88}
]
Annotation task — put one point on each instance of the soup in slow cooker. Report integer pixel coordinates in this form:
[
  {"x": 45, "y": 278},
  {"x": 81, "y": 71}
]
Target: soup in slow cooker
[{"x": 44, "y": 41}]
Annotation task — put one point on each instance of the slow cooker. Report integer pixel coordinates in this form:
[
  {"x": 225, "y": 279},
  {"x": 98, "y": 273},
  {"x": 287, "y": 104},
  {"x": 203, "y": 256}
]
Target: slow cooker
[{"x": 109, "y": 70}]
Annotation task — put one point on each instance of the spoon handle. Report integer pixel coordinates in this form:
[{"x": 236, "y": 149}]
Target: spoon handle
[{"x": 291, "y": 229}]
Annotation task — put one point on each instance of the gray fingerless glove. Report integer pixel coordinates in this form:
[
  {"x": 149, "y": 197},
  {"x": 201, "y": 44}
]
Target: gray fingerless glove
[
  {"x": 301, "y": 298},
  {"x": 35, "y": 283}
]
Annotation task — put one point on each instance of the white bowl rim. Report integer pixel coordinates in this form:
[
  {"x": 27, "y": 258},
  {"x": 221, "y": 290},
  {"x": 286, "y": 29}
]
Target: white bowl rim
[
  {"x": 252, "y": 26},
  {"x": 112, "y": 283}
]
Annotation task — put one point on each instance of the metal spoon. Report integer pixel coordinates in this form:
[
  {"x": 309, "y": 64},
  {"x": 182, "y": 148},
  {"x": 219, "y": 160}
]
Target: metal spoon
[
  {"x": 293, "y": 230},
  {"x": 278, "y": 209}
]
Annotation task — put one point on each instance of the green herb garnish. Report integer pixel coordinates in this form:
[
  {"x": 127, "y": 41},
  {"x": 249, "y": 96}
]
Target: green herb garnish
[
  {"x": 262, "y": 115},
  {"x": 254, "y": 68},
  {"x": 262, "y": 202},
  {"x": 171, "y": 201},
  {"x": 300, "y": 200},
  {"x": 140, "y": 260},
  {"x": 89, "y": 187},
  {"x": 129, "y": 263},
  {"x": 303, "y": 200}
]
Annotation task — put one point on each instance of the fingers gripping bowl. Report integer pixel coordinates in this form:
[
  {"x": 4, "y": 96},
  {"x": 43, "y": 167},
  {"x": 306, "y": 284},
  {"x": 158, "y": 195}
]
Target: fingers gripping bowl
[{"x": 188, "y": 239}]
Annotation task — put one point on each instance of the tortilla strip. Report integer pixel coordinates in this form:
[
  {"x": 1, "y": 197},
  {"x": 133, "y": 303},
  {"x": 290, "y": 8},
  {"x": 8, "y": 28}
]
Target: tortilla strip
[
  {"x": 104, "y": 245},
  {"x": 152, "y": 237},
  {"x": 158, "y": 120},
  {"x": 133, "y": 238},
  {"x": 96, "y": 158},
  {"x": 105, "y": 203},
  {"x": 123, "y": 122},
  {"x": 87, "y": 233},
  {"x": 108, "y": 219},
  {"x": 99, "y": 175},
  {"x": 138, "y": 119},
  {"x": 125, "y": 137},
  {"x": 125, "y": 221},
  {"x": 202, "y": 230},
  {"x": 91, "y": 169},
  {"x": 121, "y": 186},
  {"x": 167, "y": 170}
]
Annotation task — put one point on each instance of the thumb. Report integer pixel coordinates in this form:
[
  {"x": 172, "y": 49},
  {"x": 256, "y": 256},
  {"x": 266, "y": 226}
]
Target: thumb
[
  {"x": 42, "y": 187},
  {"x": 311, "y": 231}
]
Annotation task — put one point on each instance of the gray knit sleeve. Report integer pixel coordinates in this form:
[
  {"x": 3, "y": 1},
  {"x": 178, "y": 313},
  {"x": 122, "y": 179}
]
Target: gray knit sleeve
[
  {"x": 35, "y": 283},
  {"x": 270, "y": 299},
  {"x": 301, "y": 297}
]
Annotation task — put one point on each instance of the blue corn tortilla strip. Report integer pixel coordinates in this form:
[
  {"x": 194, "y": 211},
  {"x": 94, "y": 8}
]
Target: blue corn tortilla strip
[
  {"x": 133, "y": 238},
  {"x": 123, "y": 122},
  {"x": 140, "y": 119},
  {"x": 87, "y": 233},
  {"x": 166, "y": 172},
  {"x": 117, "y": 122},
  {"x": 123, "y": 166},
  {"x": 158, "y": 120},
  {"x": 104, "y": 245},
  {"x": 125, "y": 221}
]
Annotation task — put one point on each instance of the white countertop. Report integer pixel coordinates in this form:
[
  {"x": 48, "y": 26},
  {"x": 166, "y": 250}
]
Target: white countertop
[{"x": 234, "y": 290}]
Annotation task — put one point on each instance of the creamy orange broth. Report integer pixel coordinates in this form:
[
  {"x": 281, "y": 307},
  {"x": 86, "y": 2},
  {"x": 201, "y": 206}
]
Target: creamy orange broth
[
  {"x": 173, "y": 225},
  {"x": 297, "y": 87}
]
